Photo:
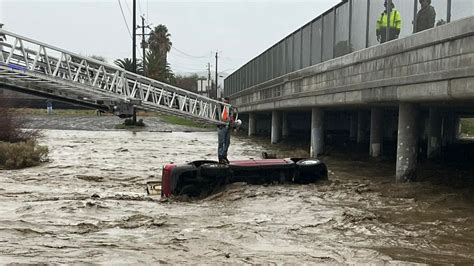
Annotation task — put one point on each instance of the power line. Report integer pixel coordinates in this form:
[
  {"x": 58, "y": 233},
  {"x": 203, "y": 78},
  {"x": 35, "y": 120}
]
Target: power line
[
  {"x": 194, "y": 68},
  {"x": 179, "y": 67},
  {"x": 186, "y": 54},
  {"x": 187, "y": 57},
  {"x": 174, "y": 62},
  {"x": 126, "y": 23},
  {"x": 124, "y": 19},
  {"x": 128, "y": 7},
  {"x": 186, "y": 64},
  {"x": 186, "y": 69}
]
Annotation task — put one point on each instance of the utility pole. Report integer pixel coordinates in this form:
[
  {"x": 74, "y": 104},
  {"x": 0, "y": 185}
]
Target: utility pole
[
  {"x": 134, "y": 39},
  {"x": 208, "y": 79},
  {"x": 217, "y": 77},
  {"x": 144, "y": 44}
]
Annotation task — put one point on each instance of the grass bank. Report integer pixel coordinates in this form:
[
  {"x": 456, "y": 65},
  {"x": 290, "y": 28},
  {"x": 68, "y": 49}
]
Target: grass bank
[
  {"x": 59, "y": 112},
  {"x": 176, "y": 120}
]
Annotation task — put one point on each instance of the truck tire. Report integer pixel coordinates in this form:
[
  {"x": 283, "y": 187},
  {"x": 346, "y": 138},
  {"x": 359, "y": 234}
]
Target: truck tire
[{"x": 310, "y": 171}]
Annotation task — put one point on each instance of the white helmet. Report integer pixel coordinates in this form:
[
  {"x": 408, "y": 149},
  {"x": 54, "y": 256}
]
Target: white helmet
[{"x": 238, "y": 122}]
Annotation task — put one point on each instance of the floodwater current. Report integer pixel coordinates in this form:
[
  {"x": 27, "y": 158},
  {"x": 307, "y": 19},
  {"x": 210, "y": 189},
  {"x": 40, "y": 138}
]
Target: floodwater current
[{"x": 88, "y": 205}]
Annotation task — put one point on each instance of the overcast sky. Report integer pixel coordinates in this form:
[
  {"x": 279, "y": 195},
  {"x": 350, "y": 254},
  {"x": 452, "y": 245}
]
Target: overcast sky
[{"x": 239, "y": 30}]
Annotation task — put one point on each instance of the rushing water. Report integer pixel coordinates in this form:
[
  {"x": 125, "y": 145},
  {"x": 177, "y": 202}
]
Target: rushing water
[{"x": 88, "y": 205}]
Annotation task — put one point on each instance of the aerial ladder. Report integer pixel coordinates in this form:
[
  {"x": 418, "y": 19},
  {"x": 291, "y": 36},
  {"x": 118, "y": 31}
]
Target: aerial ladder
[{"x": 36, "y": 68}]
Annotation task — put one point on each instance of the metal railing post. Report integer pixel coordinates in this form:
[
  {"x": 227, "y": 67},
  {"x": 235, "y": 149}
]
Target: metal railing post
[
  {"x": 349, "y": 38},
  {"x": 388, "y": 9},
  {"x": 415, "y": 9},
  {"x": 448, "y": 15},
  {"x": 367, "y": 24}
]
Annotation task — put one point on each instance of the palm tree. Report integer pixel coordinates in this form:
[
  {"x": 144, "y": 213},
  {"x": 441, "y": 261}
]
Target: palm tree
[
  {"x": 160, "y": 41},
  {"x": 127, "y": 64},
  {"x": 157, "y": 68}
]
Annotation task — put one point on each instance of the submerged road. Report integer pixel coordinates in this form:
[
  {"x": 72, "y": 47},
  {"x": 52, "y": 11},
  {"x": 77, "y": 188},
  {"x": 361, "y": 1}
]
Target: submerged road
[{"x": 88, "y": 205}]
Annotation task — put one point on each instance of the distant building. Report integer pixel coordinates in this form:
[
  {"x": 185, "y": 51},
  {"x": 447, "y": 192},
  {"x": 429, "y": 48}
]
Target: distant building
[{"x": 204, "y": 87}]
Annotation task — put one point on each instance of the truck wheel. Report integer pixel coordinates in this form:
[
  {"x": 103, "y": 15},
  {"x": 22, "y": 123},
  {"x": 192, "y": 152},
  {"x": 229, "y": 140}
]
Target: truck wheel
[
  {"x": 214, "y": 170},
  {"x": 310, "y": 171}
]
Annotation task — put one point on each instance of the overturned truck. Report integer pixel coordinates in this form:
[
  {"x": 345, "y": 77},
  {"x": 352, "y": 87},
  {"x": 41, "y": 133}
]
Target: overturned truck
[{"x": 201, "y": 178}]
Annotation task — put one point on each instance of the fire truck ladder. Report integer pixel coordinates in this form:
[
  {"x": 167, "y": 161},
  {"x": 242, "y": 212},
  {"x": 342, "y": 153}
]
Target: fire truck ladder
[{"x": 37, "y": 68}]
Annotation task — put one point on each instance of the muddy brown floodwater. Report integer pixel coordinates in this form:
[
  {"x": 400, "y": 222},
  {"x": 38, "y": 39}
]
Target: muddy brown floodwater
[{"x": 88, "y": 205}]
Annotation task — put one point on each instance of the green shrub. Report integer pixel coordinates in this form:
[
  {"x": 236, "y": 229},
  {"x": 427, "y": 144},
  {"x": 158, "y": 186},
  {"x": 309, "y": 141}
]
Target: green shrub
[
  {"x": 22, "y": 154},
  {"x": 12, "y": 124},
  {"x": 140, "y": 123}
]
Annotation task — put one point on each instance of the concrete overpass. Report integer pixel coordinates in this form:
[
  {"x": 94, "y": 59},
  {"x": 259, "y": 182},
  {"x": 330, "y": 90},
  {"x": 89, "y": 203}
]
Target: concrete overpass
[{"x": 405, "y": 89}]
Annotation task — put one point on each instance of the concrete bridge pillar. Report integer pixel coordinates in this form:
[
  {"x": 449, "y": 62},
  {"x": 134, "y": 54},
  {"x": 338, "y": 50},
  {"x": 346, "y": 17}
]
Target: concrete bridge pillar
[
  {"x": 284, "y": 126},
  {"x": 449, "y": 128},
  {"x": 353, "y": 127},
  {"x": 457, "y": 127},
  {"x": 376, "y": 132},
  {"x": 434, "y": 133},
  {"x": 276, "y": 127},
  {"x": 252, "y": 124},
  {"x": 317, "y": 132},
  {"x": 407, "y": 142}
]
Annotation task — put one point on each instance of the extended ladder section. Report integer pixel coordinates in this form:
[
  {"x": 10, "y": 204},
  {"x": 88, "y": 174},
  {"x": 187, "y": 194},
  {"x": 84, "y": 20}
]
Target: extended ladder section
[{"x": 43, "y": 69}]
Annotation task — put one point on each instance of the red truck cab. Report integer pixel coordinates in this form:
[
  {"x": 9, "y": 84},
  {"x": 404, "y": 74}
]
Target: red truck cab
[{"x": 199, "y": 178}]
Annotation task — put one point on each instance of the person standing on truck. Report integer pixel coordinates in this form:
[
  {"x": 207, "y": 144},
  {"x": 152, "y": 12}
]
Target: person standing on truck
[
  {"x": 383, "y": 21},
  {"x": 426, "y": 17},
  {"x": 223, "y": 133}
]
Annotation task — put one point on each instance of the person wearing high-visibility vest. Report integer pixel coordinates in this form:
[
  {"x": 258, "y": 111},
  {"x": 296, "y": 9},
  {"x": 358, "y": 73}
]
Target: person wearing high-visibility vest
[
  {"x": 382, "y": 24},
  {"x": 223, "y": 134}
]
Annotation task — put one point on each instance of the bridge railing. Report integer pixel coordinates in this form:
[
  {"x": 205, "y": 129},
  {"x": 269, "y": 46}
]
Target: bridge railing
[{"x": 36, "y": 65}]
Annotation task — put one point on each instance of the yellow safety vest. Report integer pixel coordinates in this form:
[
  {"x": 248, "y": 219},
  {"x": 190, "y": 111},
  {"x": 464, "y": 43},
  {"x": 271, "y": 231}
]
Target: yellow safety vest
[{"x": 395, "y": 20}]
